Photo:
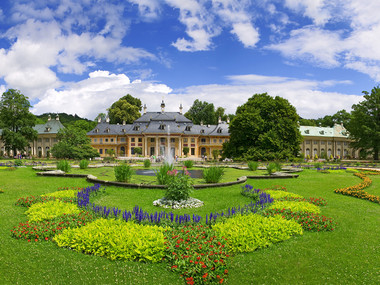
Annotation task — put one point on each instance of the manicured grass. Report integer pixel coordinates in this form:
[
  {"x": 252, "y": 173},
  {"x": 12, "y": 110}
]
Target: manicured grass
[{"x": 348, "y": 255}]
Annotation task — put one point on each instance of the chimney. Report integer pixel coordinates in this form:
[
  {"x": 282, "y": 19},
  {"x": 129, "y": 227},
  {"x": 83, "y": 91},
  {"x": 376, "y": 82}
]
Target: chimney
[
  {"x": 228, "y": 120},
  {"x": 201, "y": 123},
  {"x": 49, "y": 118},
  {"x": 107, "y": 119},
  {"x": 57, "y": 118},
  {"x": 219, "y": 120},
  {"x": 180, "y": 108},
  {"x": 144, "y": 108},
  {"x": 99, "y": 119},
  {"x": 124, "y": 123}
]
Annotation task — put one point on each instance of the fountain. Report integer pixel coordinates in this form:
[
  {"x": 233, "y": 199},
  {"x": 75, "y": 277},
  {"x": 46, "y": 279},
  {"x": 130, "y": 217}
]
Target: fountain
[{"x": 169, "y": 158}]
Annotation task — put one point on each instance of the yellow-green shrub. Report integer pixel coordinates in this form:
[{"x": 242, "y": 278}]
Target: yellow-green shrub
[
  {"x": 116, "y": 239},
  {"x": 276, "y": 194},
  {"x": 63, "y": 194},
  {"x": 49, "y": 210},
  {"x": 246, "y": 233},
  {"x": 296, "y": 206}
]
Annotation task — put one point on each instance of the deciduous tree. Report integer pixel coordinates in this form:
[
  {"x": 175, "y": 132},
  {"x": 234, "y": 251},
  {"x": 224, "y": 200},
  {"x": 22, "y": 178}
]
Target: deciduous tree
[
  {"x": 125, "y": 109},
  {"x": 16, "y": 121},
  {"x": 264, "y": 128},
  {"x": 364, "y": 126}
]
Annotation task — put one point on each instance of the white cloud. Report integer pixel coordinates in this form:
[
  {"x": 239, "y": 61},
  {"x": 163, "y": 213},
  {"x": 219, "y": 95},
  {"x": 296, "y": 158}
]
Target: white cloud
[
  {"x": 149, "y": 9},
  {"x": 314, "y": 9},
  {"x": 95, "y": 94}
]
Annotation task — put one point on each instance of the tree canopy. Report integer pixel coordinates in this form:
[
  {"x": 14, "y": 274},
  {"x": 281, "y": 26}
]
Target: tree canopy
[
  {"x": 73, "y": 144},
  {"x": 16, "y": 121},
  {"x": 364, "y": 126},
  {"x": 126, "y": 109},
  {"x": 204, "y": 112},
  {"x": 264, "y": 128}
]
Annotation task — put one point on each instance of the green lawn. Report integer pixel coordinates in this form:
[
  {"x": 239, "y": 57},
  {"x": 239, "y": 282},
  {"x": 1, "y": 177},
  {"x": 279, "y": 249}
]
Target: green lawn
[{"x": 349, "y": 255}]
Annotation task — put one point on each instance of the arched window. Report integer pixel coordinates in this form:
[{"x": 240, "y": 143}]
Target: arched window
[{"x": 307, "y": 151}]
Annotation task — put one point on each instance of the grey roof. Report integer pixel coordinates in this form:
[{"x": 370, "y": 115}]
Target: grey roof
[
  {"x": 50, "y": 127},
  {"x": 160, "y": 123}
]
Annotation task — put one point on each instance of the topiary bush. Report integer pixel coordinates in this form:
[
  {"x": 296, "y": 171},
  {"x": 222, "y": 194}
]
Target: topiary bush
[
  {"x": 123, "y": 173},
  {"x": 147, "y": 163},
  {"x": 116, "y": 240},
  {"x": 246, "y": 233},
  {"x": 179, "y": 186},
  {"x": 253, "y": 165},
  {"x": 188, "y": 163}
]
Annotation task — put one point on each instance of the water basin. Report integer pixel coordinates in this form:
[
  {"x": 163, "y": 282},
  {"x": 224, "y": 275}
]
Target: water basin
[{"x": 150, "y": 172}]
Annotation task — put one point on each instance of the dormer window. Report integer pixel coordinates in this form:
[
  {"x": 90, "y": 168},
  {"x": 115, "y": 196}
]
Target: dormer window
[
  {"x": 123, "y": 130},
  {"x": 161, "y": 127},
  {"x": 322, "y": 132},
  {"x": 219, "y": 130},
  {"x": 136, "y": 128},
  {"x": 306, "y": 131},
  {"x": 96, "y": 130},
  {"x": 107, "y": 130},
  {"x": 47, "y": 129},
  {"x": 188, "y": 128},
  {"x": 202, "y": 131}
]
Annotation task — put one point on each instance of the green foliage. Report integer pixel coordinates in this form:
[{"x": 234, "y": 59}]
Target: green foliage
[
  {"x": 67, "y": 120},
  {"x": 138, "y": 150},
  {"x": 63, "y": 165},
  {"x": 162, "y": 175},
  {"x": 18, "y": 162},
  {"x": 215, "y": 154},
  {"x": 123, "y": 173},
  {"x": 83, "y": 164},
  {"x": 198, "y": 253},
  {"x": 318, "y": 165},
  {"x": 296, "y": 206},
  {"x": 264, "y": 128},
  {"x": 202, "y": 112},
  {"x": 213, "y": 174},
  {"x": 186, "y": 150},
  {"x": 253, "y": 165},
  {"x": 125, "y": 109},
  {"x": 63, "y": 194},
  {"x": 365, "y": 124},
  {"x": 179, "y": 186},
  {"x": 110, "y": 152},
  {"x": 16, "y": 121},
  {"x": 271, "y": 167},
  {"x": 188, "y": 163},
  {"x": 147, "y": 163},
  {"x": 116, "y": 240},
  {"x": 73, "y": 144},
  {"x": 246, "y": 233},
  {"x": 49, "y": 210}
]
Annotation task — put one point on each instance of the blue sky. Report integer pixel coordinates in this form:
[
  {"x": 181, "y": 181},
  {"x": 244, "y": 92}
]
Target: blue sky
[{"x": 79, "y": 56}]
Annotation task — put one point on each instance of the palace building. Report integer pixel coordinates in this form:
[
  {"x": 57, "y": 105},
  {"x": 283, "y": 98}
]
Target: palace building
[
  {"x": 46, "y": 138},
  {"x": 157, "y": 134}
]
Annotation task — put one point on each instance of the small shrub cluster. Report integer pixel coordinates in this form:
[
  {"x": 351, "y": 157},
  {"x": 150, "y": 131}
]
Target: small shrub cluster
[
  {"x": 188, "y": 163},
  {"x": 63, "y": 194},
  {"x": 63, "y": 165},
  {"x": 213, "y": 174},
  {"x": 31, "y": 200},
  {"x": 277, "y": 194},
  {"x": 273, "y": 167},
  {"x": 49, "y": 210},
  {"x": 18, "y": 162},
  {"x": 315, "y": 201},
  {"x": 308, "y": 221},
  {"x": 197, "y": 253},
  {"x": 253, "y": 165},
  {"x": 357, "y": 190},
  {"x": 116, "y": 240},
  {"x": 45, "y": 230},
  {"x": 123, "y": 173},
  {"x": 246, "y": 233},
  {"x": 147, "y": 163},
  {"x": 83, "y": 164},
  {"x": 296, "y": 206},
  {"x": 162, "y": 174}
]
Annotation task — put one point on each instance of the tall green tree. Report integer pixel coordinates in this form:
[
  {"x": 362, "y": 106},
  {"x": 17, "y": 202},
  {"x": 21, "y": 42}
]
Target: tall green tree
[
  {"x": 73, "y": 144},
  {"x": 16, "y": 121},
  {"x": 364, "y": 126},
  {"x": 202, "y": 112},
  {"x": 264, "y": 128},
  {"x": 126, "y": 109}
]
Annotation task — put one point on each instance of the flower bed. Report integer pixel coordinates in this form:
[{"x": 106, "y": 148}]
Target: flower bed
[{"x": 357, "y": 190}]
